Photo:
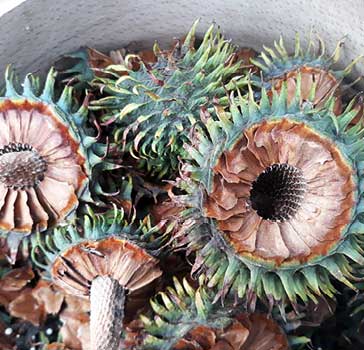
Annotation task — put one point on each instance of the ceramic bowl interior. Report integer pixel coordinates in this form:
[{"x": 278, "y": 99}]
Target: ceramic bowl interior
[{"x": 35, "y": 33}]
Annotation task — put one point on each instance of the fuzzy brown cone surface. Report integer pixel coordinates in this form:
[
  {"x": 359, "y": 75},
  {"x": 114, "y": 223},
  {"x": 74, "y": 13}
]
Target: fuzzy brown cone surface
[
  {"x": 283, "y": 193},
  {"x": 107, "y": 313},
  {"x": 247, "y": 332},
  {"x": 324, "y": 83}
]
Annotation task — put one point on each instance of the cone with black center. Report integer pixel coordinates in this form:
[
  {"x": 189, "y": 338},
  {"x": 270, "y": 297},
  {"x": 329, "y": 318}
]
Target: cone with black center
[{"x": 274, "y": 199}]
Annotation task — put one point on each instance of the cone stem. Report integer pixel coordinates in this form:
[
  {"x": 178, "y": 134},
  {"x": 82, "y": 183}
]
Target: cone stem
[{"x": 107, "y": 313}]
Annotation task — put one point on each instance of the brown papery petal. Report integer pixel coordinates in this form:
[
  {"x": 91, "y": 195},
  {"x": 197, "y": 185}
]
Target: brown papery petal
[
  {"x": 250, "y": 224},
  {"x": 22, "y": 218},
  {"x": 236, "y": 335},
  {"x": 213, "y": 210},
  {"x": 222, "y": 170},
  {"x": 59, "y": 195},
  {"x": 4, "y": 127},
  {"x": 26, "y": 307},
  {"x": 51, "y": 297},
  {"x": 7, "y": 211},
  {"x": 223, "y": 195},
  {"x": 39, "y": 215},
  {"x": 269, "y": 241}
]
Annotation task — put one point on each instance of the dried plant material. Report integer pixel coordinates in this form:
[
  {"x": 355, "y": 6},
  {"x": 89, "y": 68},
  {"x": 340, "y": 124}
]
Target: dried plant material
[
  {"x": 7, "y": 342},
  {"x": 41, "y": 169},
  {"x": 16, "y": 279},
  {"x": 13, "y": 282},
  {"x": 317, "y": 86},
  {"x": 75, "y": 330},
  {"x": 26, "y": 307},
  {"x": 247, "y": 332},
  {"x": 127, "y": 263},
  {"x": 49, "y": 295},
  {"x": 282, "y": 193}
]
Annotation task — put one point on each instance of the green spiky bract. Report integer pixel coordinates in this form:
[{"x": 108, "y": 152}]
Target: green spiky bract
[
  {"x": 81, "y": 72},
  {"x": 275, "y": 62},
  {"x": 228, "y": 271},
  {"x": 177, "y": 311},
  {"x": 95, "y": 227},
  {"x": 155, "y": 108}
]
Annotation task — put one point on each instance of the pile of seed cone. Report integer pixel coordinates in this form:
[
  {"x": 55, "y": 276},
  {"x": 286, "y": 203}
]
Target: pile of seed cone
[{"x": 200, "y": 196}]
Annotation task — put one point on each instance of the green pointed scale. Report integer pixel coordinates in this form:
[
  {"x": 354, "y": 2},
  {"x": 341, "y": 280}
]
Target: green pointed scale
[
  {"x": 104, "y": 258},
  {"x": 243, "y": 274},
  {"x": 70, "y": 122},
  {"x": 155, "y": 108}
]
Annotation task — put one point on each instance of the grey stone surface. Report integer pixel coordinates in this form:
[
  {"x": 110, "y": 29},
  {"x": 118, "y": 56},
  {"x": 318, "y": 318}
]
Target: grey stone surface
[{"x": 36, "y": 32}]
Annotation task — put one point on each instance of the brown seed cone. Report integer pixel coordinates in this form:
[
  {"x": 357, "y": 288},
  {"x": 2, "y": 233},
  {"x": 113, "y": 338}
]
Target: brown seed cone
[
  {"x": 247, "y": 332},
  {"x": 326, "y": 86},
  {"x": 302, "y": 175},
  {"x": 42, "y": 169},
  {"x": 107, "y": 313}
]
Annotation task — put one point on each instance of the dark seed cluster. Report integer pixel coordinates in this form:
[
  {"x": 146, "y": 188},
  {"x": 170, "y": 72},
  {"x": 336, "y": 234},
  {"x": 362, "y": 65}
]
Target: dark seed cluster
[
  {"x": 21, "y": 166},
  {"x": 277, "y": 192}
]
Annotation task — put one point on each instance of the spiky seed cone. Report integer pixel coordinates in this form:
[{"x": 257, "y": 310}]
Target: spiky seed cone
[
  {"x": 47, "y": 158},
  {"x": 275, "y": 62},
  {"x": 107, "y": 298},
  {"x": 319, "y": 81},
  {"x": 276, "y": 154},
  {"x": 155, "y": 108},
  {"x": 186, "y": 319},
  {"x": 107, "y": 257}
]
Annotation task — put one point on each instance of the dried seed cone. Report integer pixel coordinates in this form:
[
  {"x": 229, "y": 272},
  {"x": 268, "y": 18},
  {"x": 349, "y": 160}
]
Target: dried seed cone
[
  {"x": 275, "y": 197},
  {"x": 307, "y": 71},
  {"x": 186, "y": 319},
  {"x": 103, "y": 258},
  {"x": 48, "y": 154},
  {"x": 158, "y": 105},
  {"x": 107, "y": 312},
  {"x": 247, "y": 332}
]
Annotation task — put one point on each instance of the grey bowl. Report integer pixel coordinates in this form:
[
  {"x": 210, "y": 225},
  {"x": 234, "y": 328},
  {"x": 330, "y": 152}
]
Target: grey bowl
[{"x": 37, "y": 32}]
